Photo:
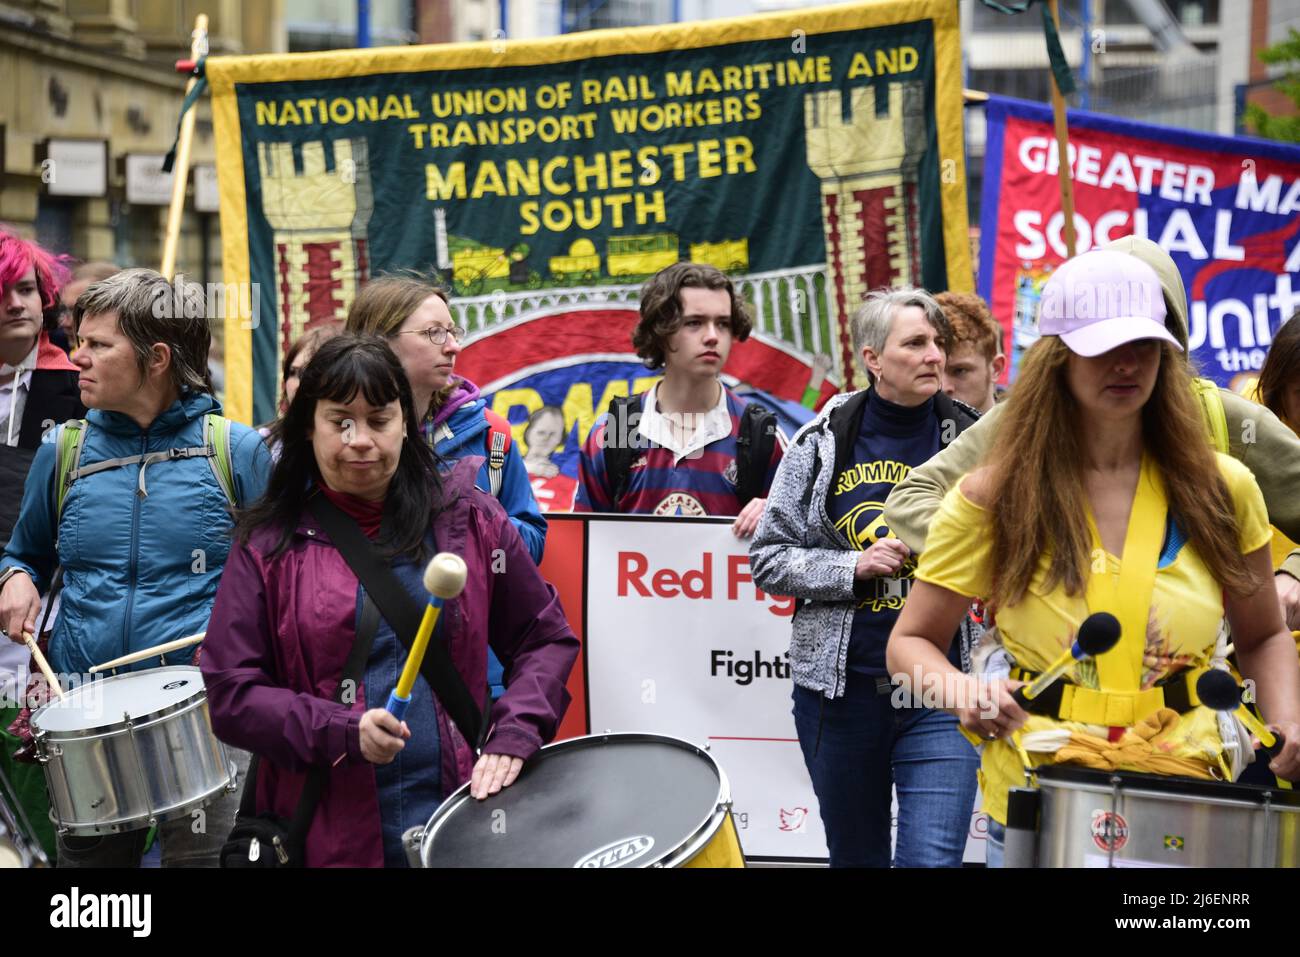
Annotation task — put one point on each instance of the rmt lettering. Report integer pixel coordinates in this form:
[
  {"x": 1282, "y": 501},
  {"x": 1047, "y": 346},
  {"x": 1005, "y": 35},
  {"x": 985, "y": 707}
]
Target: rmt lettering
[
  {"x": 636, "y": 577},
  {"x": 744, "y": 671}
]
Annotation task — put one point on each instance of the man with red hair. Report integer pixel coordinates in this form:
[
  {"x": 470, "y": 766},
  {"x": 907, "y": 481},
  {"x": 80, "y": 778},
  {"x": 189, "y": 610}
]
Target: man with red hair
[{"x": 38, "y": 390}]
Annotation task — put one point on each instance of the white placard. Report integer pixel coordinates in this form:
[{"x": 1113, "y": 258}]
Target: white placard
[
  {"x": 680, "y": 642},
  {"x": 75, "y": 168},
  {"x": 146, "y": 183},
  {"x": 207, "y": 197}
]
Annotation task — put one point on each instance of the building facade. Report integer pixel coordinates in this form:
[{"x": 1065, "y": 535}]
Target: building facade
[{"x": 92, "y": 100}]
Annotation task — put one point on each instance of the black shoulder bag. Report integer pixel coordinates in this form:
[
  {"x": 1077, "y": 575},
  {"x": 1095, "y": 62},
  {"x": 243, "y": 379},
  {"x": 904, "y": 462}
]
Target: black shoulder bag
[{"x": 266, "y": 840}]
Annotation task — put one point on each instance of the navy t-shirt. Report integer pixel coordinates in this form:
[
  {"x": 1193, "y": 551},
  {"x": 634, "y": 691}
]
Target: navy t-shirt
[{"x": 892, "y": 441}]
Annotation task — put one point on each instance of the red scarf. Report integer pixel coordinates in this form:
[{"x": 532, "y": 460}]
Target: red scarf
[
  {"x": 50, "y": 356},
  {"x": 368, "y": 515}
]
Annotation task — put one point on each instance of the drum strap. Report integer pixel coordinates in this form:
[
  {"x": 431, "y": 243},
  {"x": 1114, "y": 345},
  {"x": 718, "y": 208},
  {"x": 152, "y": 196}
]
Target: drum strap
[
  {"x": 404, "y": 613},
  {"x": 1070, "y": 702}
]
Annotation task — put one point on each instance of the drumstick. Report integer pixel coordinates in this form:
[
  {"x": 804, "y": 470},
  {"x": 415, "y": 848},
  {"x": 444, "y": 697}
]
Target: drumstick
[
  {"x": 1218, "y": 690},
  {"x": 444, "y": 578},
  {"x": 153, "y": 652},
  {"x": 42, "y": 663},
  {"x": 1098, "y": 634}
]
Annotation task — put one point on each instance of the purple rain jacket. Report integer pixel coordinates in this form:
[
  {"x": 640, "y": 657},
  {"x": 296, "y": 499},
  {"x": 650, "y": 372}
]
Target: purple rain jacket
[{"x": 282, "y": 628}]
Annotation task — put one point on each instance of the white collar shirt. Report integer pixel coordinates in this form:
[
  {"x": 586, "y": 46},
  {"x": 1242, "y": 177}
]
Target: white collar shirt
[
  {"x": 13, "y": 396},
  {"x": 710, "y": 426}
]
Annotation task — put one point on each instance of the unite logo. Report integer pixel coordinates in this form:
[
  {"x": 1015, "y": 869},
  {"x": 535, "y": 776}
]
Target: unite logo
[{"x": 618, "y": 853}]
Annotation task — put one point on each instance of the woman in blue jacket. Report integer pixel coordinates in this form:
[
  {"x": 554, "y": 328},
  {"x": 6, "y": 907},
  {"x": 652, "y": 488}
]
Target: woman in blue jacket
[{"x": 142, "y": 526}]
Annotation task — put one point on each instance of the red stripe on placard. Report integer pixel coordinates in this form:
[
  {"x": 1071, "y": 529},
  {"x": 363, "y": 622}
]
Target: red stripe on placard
[{"x": 564, "y": 566}]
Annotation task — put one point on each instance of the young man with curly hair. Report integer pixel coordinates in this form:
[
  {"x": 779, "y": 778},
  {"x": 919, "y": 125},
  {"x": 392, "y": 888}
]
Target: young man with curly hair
[{"x": 674, "y": 450}]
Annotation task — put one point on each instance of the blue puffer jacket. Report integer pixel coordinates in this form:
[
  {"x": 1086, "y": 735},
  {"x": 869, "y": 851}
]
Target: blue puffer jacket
[
  {"x": 136, "y": 571},
  {"x": 459, "y": 430}
]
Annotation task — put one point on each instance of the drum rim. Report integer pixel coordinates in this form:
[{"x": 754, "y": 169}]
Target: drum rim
[
  {"x": 127, "y": 824},
  {"x": 1133, "y": 782},
  {"x": 40, "y": 733},
  {"x": 699, "y": 835}
]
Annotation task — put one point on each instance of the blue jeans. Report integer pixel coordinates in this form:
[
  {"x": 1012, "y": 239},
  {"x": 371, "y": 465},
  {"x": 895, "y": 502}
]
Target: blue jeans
[
  {"x": 995, "y": 845},
  {"x": 859, "y": 748}
]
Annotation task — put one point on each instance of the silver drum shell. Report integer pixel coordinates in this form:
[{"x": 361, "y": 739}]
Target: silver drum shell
[
  {"x": 1211, "y": 824},
  {"x": 127, "y": 775}
]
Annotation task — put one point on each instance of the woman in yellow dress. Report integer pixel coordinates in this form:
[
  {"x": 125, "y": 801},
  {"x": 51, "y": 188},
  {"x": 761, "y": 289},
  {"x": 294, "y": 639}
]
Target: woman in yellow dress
[{"x": 1104, "y": 494}]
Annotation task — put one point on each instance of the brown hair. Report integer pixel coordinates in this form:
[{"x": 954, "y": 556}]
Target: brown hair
[
  {"x": 971, "y": 321},
  {"x": 1038, "y": 503},
  {"x": 661, "y": 308},
  {"x": 311, "y": 339},
  {"x": 1281, "y": 366},
  {"x": 388, "y": 301}
]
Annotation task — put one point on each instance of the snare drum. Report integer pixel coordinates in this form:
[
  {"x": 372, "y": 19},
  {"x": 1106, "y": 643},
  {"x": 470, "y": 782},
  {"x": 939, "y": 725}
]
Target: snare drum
[
  {"x": 609, "y": 800},
  {"x": 128, "y": 752},
  {"x": 1123, "y": 819}
]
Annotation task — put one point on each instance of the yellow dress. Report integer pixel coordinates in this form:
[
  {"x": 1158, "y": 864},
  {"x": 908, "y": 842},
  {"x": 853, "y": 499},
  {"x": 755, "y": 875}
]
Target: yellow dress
[{"x": 1181, "y": 620}]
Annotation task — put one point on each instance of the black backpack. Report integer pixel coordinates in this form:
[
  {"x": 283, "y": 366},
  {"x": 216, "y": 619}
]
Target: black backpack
[{"x": 754, "y": 445}]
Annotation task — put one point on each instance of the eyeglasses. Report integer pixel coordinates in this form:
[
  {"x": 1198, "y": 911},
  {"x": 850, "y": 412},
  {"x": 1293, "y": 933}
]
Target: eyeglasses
[{"x": 436, "y": 335}]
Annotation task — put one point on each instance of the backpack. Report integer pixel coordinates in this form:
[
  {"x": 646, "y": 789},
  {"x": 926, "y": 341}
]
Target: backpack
[
  {"x": 755, "y": 441},
  {"x": 72, "y": 436},
  {"x": 498, "y": 442},
  {"x": 1216, "y": 420}
]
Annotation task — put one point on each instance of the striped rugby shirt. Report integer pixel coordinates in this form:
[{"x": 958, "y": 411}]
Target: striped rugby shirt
[{"x": 697, "y": 479}]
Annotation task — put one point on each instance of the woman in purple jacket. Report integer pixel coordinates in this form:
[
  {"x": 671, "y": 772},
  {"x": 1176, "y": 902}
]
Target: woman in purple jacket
[{"x": 286, "y": 613}]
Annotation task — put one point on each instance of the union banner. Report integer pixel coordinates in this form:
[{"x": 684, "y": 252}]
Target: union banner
[{"x": 811, "y": 155}]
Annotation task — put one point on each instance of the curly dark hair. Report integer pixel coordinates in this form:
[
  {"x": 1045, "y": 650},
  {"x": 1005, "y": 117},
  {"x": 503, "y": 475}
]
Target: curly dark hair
[{"x": 661, "y": 308}]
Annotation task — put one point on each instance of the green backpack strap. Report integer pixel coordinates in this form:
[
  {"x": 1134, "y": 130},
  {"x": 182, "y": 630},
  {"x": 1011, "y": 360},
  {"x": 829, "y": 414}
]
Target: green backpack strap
[
  {"x": 68, "y": 442},
  {"x": 216, "y": 433},
  {"x": 1216, "y": 420}
]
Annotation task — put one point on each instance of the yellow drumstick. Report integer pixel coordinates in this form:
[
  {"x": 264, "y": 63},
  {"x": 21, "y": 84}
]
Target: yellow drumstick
[
  {"x": 444, "y": 578},
  {"x": 42, "y": 664}
]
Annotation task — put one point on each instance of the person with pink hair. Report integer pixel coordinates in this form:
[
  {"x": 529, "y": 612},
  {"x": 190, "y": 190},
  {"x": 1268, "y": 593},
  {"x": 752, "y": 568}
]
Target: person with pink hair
[
  {"x": 38, "y": 383},
  {"x": 38, "y": 390}
]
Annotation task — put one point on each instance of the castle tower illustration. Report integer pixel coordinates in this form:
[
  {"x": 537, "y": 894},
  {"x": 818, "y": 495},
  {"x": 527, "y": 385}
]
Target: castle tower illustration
[
  {"x": 320, "y": 218},
  {"x": 868, "y": 171}
]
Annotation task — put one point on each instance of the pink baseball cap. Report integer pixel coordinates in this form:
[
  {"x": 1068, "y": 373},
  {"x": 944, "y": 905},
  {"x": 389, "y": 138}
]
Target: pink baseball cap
[{"x": 1101, "y": 300}]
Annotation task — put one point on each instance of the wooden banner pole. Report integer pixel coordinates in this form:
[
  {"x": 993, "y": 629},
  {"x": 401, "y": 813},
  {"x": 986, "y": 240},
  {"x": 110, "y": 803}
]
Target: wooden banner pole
[
  {"x": 1063, "y": 150},
  {"x": 181, "y": 171}
]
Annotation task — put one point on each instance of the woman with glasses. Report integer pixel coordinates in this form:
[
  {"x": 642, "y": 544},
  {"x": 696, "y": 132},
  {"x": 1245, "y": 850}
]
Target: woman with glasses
[{"x": 413, "y": 315}]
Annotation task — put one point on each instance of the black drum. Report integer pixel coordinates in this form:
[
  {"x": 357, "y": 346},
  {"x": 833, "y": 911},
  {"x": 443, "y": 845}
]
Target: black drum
[{"x": 611, "y": 800}]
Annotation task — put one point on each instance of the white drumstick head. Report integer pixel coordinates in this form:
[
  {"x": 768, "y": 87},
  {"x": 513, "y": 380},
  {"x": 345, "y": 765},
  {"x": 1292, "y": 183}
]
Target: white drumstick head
[{"x": 445, "y": 575}]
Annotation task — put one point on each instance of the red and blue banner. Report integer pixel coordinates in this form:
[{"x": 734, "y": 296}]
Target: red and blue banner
[{"x": 1227, "y": 210}]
